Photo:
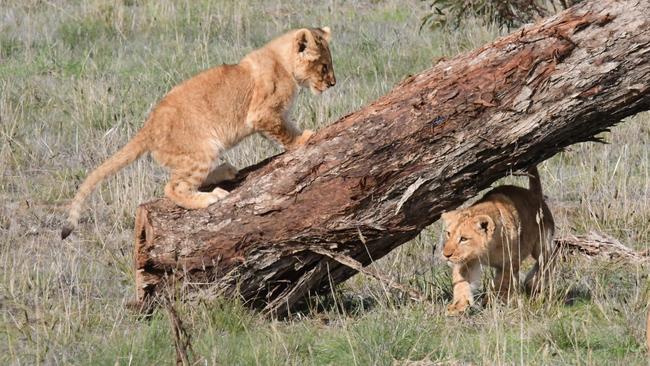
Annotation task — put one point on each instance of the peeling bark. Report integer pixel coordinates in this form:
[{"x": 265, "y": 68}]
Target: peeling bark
[
  {"x": 374, "y": 179},
  {"x": 600, "y": 246}
]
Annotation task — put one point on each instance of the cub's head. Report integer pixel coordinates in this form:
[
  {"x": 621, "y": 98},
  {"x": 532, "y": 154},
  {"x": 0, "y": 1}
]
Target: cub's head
[
  {"x": 466, "y": 235},
  {"x": 313, "y": 61}
]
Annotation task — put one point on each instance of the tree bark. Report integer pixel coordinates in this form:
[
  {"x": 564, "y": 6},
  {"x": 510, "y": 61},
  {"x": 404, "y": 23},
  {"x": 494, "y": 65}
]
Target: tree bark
[
  {"x": 374, "y": 179},
  {"x": 595, "y": 245}
]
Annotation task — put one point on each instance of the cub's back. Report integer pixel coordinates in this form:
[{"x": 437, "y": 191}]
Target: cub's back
[
  {"x": 221, "y": 90},
  {"x": 528, "y": 206},
  {"x": 211, "y": 104}
]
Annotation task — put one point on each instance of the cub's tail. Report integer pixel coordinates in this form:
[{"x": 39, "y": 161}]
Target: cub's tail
[
  {"x": 123, "y": 157},
  {"x": 534, "y": 183}
]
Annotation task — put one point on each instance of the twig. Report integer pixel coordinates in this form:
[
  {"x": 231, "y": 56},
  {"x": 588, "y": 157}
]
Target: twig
[{"x": 181, "y": 337}]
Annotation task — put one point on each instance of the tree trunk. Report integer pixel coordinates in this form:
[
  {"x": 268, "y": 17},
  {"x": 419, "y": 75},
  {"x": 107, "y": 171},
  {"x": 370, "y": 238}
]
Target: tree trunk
[{"x": 374, "y": 179}]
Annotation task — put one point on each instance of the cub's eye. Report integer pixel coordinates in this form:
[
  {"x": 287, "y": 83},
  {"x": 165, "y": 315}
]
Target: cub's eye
[
  {"x": 324, "y": 69},
  {"x": 447, "y": 233},
  {"x": 462, "y": 239}
]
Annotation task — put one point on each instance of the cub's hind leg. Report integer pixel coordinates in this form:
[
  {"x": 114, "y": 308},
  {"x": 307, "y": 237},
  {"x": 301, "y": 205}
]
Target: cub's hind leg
[
  {"x": 183, "y": 186},
  {"x": 503, "y": 280},
  {"x": 538, "y": 278}
]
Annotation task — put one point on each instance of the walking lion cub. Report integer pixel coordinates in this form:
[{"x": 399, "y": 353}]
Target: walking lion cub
[
  {"x": 213, "y": 111},
  {"x": 500, "y": 230}
]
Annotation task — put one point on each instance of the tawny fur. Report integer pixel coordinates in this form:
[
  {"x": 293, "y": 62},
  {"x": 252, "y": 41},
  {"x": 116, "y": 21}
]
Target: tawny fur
[
  {"x": 500, "y": 230},
  {"x": 213, "y": 111}
]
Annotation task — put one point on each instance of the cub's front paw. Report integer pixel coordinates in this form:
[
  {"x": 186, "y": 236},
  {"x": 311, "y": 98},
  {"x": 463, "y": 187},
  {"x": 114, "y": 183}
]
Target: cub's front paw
[{"x": 458, "y": 307}]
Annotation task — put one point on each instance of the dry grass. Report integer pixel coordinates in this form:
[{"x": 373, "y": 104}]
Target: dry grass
[{"x": 78, "y": 78}]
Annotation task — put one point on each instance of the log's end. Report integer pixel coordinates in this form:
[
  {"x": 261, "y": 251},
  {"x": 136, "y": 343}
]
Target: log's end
[{"x": 144, "y": 281}]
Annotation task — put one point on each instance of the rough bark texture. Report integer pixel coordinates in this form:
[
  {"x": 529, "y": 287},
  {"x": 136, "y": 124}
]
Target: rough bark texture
[
  {"x": 374, "y": 179},
  {"x": 594, "y": 245}
]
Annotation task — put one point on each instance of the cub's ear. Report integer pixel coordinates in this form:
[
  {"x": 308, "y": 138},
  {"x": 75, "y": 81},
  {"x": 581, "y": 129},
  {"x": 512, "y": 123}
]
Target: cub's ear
[
  {"x": 447, "y": 216},
  {"x": 327, "y": 33},
  {"x": 452, "y": 215},
  {"x": 484, "y": 224},
  {"x": 304, "y": 41}
]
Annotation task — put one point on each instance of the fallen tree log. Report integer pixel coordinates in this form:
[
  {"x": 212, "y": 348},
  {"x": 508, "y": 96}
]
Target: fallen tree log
[{"x": 374, "y": 179}]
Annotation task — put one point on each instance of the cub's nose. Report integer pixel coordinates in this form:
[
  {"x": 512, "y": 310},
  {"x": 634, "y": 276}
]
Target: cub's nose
[{"x": 332, "y": 82}]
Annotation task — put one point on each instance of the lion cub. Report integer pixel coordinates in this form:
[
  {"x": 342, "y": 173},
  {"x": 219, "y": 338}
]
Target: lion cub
[
  {"x": 500, "y": 230},
  {"x": 213, "y": 111}
]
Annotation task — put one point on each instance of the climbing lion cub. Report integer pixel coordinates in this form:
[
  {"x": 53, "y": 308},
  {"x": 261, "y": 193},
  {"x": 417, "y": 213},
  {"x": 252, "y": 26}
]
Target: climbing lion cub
[
  {"x": 500, "y": 230},
  {"x": 213, "y": 111}
]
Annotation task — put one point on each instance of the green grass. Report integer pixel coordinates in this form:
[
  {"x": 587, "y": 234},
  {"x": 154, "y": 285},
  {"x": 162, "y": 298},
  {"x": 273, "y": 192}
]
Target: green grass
[{"x": 77, "y": 79}]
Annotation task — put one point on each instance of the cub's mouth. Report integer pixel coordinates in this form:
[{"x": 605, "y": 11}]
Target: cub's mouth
[
  {"x": 318, "y": 88},
  {"x": 453, "y": 259},
  {"x": 315, "y": 90},
  {"x": 449, "y": 262}
]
